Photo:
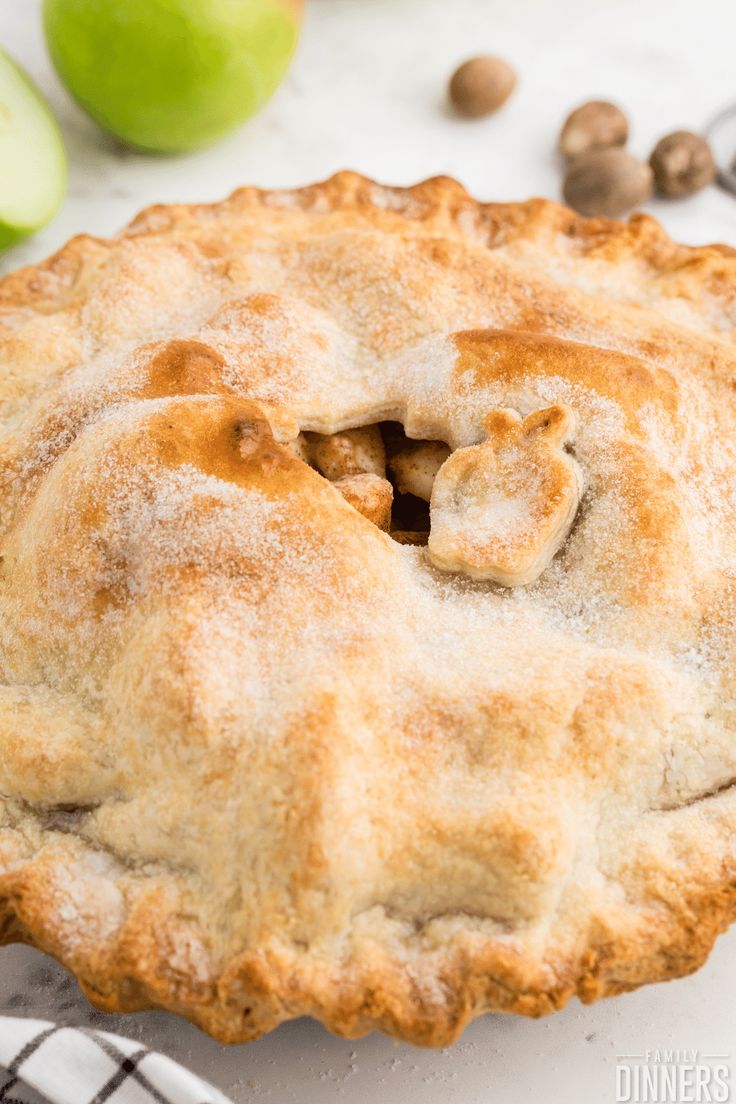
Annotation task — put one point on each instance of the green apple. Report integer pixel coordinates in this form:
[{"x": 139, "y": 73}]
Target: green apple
[
  {"x": 32, "y": 156},
  {"x": 171, "y": 75}
]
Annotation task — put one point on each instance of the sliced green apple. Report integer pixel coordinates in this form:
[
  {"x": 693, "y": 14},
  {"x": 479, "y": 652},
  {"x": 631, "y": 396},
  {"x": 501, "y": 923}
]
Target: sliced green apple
[{"x": 32, "y": 156}]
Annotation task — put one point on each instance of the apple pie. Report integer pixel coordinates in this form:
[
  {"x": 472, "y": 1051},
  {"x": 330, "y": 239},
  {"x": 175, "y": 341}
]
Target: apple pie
[{"x": 367, "y": 603}]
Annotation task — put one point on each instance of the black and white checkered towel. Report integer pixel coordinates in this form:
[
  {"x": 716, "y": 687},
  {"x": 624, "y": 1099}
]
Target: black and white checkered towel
[{"x": 41, "y": 1063}]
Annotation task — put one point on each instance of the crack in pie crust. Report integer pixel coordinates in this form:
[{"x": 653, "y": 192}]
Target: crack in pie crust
[{"x": 259, "y": 757}]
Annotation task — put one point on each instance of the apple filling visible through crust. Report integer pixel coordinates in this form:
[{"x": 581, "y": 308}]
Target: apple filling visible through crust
[{"x": 497, "y": 511}]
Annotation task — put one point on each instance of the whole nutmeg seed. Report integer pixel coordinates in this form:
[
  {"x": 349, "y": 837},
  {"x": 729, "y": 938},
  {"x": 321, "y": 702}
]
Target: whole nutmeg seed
[
  {"x": 595, "y": 125},
  {"x": 481, "y": 85},
  {"x": 682, "y": 163},
  {"x": 607, "y": 182}
]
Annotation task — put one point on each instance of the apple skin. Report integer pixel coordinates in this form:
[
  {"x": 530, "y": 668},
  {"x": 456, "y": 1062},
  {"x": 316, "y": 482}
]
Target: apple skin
[
  {"x": 171, "y": 75},
  {"x": 49, "y": 163}
]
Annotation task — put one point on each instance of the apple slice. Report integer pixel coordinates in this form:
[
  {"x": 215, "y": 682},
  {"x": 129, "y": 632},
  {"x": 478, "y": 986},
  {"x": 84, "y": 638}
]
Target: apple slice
[{"x": 32, "y": 156}]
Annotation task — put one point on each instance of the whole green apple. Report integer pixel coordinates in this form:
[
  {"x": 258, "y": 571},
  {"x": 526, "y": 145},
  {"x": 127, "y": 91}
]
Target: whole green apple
[{"x": 171, "y": 75}]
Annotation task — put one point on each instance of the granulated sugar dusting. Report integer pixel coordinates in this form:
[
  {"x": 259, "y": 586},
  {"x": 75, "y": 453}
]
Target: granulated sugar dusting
[{"x": 280, "y": 751}]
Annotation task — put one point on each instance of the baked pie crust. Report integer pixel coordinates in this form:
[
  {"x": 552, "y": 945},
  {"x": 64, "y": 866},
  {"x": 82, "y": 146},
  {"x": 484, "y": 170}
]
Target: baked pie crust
[{"x": 266, "y": 752}]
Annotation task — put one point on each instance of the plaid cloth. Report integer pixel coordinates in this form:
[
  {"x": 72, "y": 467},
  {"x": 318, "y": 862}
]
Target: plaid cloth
[{"x": 41, "y": 1063}]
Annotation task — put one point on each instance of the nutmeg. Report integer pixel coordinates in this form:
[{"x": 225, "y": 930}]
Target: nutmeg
[
  {"x": 607, "y": 182},
  {"x": 595, "y": 125},
  {"x": 682, "y": 163},
  {"x": 481, "y": 85}
]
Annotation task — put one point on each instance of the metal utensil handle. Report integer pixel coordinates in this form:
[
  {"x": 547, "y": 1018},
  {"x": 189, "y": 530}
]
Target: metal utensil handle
[{"x": 721, "y": 133}]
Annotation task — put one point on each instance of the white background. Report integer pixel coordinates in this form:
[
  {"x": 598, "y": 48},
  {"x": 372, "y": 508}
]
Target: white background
[{"x": 367, "y": 92}]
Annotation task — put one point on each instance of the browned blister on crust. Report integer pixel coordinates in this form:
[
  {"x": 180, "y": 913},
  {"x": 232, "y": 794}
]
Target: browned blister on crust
[{"x": 257, "y": 758}]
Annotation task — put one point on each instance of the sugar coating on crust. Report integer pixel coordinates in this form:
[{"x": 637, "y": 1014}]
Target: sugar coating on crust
[{"x": 258, "y": 759}]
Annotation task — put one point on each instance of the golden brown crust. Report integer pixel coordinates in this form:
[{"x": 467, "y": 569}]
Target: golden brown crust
[{"x": 257, "y": 759}]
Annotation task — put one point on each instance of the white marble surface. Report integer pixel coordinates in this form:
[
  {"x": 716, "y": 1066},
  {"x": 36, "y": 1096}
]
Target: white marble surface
[{"x": 366, "y": 91}]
